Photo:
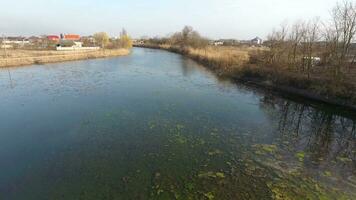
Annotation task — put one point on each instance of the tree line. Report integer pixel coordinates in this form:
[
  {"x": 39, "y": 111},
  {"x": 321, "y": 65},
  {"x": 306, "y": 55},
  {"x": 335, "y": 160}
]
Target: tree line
[
  {"x": 185, "y": 38},
  {"x": 304, "y": 44},
  {"x": 297, "y": 47},
  {"x": 103, "y": 40}
]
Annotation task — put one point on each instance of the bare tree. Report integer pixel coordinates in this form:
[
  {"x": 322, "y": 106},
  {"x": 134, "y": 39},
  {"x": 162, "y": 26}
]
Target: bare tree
[
  {"x": 123, "y": 32},
  {"x": 276, "y": 43},
  {"x": 296, "y": 35},
  {"x": 310, "y": 37},
  {"x": 344, "y": 30},
  {"x": 186, "y": 32},
  {"x": 188, "y": 38},
  {"x": 102, "y": 39},
  {"x": 124, "y": 41}
]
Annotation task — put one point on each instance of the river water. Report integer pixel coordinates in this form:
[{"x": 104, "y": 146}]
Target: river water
[{"x": 156, "y": 125}]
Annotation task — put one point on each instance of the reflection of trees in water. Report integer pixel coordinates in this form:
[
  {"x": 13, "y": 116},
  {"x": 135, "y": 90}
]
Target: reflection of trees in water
[
  {"x": 9, "y": 77},
  {"x": 188, "y": 66},
  {"x": 327, "y": 138},
  {"x": 321, "y": 135}
]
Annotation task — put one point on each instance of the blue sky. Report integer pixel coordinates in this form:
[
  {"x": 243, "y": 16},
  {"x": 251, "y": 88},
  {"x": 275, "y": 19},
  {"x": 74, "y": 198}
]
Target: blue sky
[{"x": 242, "y": 19}]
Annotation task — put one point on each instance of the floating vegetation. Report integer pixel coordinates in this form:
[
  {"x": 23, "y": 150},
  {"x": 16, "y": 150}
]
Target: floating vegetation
[
  {"x": 180, "y": 139},
  {"x": 265, "y": 148},
  {"x": 220, "y": 175},
  {"x": 201, "y": 141},
  {"x": 190, "y": 186},
  {"x": 344, "y": 159},
  {"x": 327, "y": 173},
  {"x": 180, "y": 127},
  {"x": 215, "y": 152},
  {"x": 209, "y": 195},
  {"x": 292, "y": 187},
  {"x": 178, "y": 162},
  {"x": 211, "y": 175},
  {"x": 151, "y": 125},
  {"x": 300, "y": 156}
]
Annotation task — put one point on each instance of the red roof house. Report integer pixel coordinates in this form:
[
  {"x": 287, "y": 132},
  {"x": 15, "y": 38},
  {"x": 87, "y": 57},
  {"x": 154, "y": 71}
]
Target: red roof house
[
  {"x": 71, "y": 37},
  {"x": 53, "y": 37}
]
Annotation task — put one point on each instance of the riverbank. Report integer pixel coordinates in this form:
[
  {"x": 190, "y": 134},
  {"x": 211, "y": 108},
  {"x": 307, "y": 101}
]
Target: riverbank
[
  {"x": 30, "y": 57},
  {"x": 236, "y": 64}
]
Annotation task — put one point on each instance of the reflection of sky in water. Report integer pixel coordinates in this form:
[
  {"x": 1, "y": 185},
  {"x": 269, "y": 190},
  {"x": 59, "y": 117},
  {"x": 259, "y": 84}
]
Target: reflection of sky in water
[{"x": 58, "y": 119}]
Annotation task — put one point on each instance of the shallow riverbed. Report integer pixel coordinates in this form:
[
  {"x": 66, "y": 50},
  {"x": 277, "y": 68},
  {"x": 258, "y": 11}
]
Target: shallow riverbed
[{"x": 155, "y": 125}]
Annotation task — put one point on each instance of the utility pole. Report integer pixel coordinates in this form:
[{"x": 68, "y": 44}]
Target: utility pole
[
  {"x": 5, "y": 51},
  {"x": 4, "y": 43},
  {"x": 10, "y": 78}
]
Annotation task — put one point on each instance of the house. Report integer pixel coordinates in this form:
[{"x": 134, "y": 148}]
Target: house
[
  {"x": 11, "y": 42},
  {"x": 35, "y": 39},
  {"x": 70, "y": 43},
  {"x": 87, "y": 38},
  {"x": 138, "y": 42},
  {"x": 88, "y": 41},
  {"x": 16, "y": 42},
  {"x": 257, "y": 41},
  {"x": 230, "y": 42},
  {"x": 53, "y": 37},
  {"x": 72, "y": 37},
  {"x": 15, "y": 38},
  {"x": 78, "y": 44},
  {"x": 218, "y": 43},
  {"x": 315, "y": 61},
  {"x": 254, "y": 41}
]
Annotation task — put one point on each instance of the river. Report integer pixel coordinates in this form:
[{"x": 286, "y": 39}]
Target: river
[{"x": 156, "y": 125}]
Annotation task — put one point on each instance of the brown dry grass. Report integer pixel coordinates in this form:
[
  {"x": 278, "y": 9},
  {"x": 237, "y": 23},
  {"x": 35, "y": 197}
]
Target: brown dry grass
[
  {"x": 29, "y": 57},
  {"x": 221, "y": 58},
  {"x": 227, "y": 55}
]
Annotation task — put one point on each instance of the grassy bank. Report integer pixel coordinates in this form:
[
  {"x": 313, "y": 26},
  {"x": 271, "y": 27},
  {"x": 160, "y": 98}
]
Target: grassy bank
[
  {"x": 238, "y": 64},
  {"x": 30, "y": 57}
]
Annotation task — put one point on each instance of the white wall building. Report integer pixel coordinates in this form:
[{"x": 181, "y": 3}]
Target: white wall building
[{"x": 257, "y": 41}]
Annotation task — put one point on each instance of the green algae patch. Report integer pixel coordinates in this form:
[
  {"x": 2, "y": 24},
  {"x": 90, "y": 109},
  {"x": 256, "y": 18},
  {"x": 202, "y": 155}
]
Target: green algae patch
[
  {"x": 220, "y": 175},
  {"x": 344, "y": 159},
  {"x": 327, "y": 173},
  {"x": 262, "y": 149},
  {"x": 300, "y": 156},
  {"x": 211, "y": 175},
  {"x": 209, "y": 196},
  {"x": 294, "y": 188},
  {"x": 215, "y": 152},
  {"x": 178, "y": 162}
]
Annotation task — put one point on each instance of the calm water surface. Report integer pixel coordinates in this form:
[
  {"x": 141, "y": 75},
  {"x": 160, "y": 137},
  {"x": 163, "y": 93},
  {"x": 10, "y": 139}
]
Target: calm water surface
[{"x": 155, "y": 125}]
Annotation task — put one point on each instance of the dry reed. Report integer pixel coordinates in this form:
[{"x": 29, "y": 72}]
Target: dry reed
[{"x": 28, "y": 57}]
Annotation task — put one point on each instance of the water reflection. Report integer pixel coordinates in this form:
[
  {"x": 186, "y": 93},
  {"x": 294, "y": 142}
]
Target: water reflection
[
  {"x": 328, "y": 140},
  {"x": 9, "y": 76},
  {"x": 189, "y": 67}
]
